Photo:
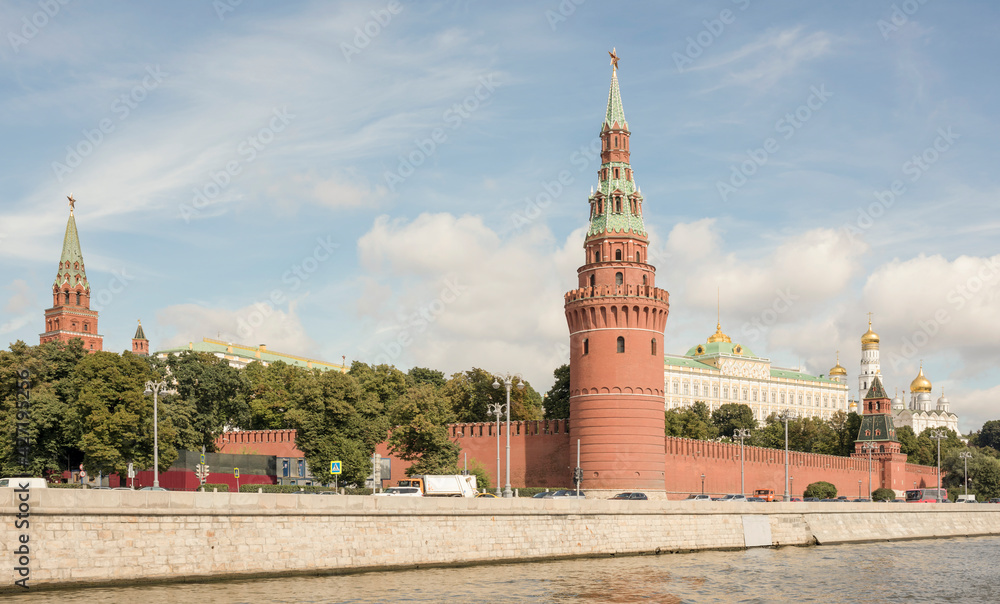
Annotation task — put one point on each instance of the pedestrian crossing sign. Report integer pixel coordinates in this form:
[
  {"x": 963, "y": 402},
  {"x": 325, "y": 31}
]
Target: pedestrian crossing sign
[{"x": 335, "y": 467}]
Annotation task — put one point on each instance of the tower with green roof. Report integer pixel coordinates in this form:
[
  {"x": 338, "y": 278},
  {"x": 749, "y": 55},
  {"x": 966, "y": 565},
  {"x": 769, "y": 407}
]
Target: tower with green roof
[
  {"x": 877, "y": 438},
  {"x": 71, "y": 316},
  {"x": 140, "y": 345},
  {"x": 616, "y": 319}
]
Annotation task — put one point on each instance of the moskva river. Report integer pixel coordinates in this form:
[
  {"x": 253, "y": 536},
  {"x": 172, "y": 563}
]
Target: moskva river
[{"x": 939, "y": 570}]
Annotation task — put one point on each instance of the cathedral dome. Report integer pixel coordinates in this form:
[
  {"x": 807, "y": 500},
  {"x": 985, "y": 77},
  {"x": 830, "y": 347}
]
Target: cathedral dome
[
  {"x": 870, "y": 339},
  {"x": 718, "y": 336},
  {"x": 838, "y": 370},
  {"x": 897, "y": 402},
  {"x": 920, "y": 384}
]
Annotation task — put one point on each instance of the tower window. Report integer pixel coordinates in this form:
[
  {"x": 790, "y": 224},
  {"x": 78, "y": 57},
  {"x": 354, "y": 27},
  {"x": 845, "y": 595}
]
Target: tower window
[
  {"x": 597, "y": 256},
  {"x": 616, "y": 172},
  {"x": 621, "y": 344},
  {"x": 616, "y": 144},
  {"x": 652, "y": 346},
  {"x": 86, "y": 326},
  {"x": 78, "y": 298},
  {"x": 618, "y": 204},
  {"x": 637, "y": 257},
  {"x": 591, "y": 281},
  {"x": 619, "y": 278},
  {"x": 618, "y": 254},
  {"x": 586, "y": 346},
  {"x": 644, "y": 280}
]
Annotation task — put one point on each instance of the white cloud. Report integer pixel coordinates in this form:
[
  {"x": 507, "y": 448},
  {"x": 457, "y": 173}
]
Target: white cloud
[
  {"x": 447, "y": 292},
  {"x": 774, "y": 56},
  {"x": 258, "y": 323}
]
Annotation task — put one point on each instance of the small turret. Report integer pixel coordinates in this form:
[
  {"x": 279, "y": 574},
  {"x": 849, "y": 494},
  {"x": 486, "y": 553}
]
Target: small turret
[{"x": 140, "y": 345}]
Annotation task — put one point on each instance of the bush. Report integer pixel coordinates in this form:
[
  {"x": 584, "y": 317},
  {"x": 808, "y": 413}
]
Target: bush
[
  {"x": 65, "y": 485},
  {"x": 883, "y": 494},
  {"x": 821, "y": 489},
  {"x": 293, "y": 488},
  {"x": 209, "y": 487}
]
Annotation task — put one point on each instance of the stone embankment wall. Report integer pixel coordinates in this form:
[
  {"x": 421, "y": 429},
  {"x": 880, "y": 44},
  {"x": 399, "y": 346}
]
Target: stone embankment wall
[{"x": 87, "y": 537}]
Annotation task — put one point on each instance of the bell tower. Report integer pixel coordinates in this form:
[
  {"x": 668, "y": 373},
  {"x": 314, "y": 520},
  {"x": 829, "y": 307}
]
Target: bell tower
[
  {"x": 616, "y": 319},
  {"x": 70, "y": 316}
]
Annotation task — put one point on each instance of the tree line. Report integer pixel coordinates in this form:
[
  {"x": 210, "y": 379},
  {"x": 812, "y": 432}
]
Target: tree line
[{"x": 91, "y": 410}]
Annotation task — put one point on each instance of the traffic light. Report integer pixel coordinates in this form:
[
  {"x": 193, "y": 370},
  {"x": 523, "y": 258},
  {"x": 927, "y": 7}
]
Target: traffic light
[{"x": 578, "y": 475}]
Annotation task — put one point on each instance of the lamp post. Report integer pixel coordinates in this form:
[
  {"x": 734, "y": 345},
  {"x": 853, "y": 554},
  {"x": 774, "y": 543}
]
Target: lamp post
[
  {"x": 741, "y": 433},
  {"x": 155, "y": 388},
  {"x": 869, "y": 446},
  {"x": 965, "y": 455},
  {"x": 507, "y": 380},
  {"x": 498, "y": 410},
  {"x": 702, "y": 484},
  {"x": 859, "y": 488},
  {"x": 938, "y": 435},
  {"x": 791, "y": 489}
]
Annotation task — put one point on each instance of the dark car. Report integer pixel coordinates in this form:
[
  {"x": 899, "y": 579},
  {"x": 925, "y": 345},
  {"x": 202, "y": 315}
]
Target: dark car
[
  {"x": 810, "y": 499},
  {"x": 756, "y": 499},
  {"x": 795, "y": 499},
  {"x": 568, "y": 493},
  {"x": 861, "y": 500},
  {"x": 640, "y": 496},
  {"x": 544, "y": 495}
]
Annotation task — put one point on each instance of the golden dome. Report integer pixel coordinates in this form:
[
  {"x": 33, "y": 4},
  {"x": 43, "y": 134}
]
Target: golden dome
[
  {"x": 718, "y": 336},
  {"x": 838, "y": 369},
  {"x": 920, "y": 383},
  {"x": 870, "y": 339}
]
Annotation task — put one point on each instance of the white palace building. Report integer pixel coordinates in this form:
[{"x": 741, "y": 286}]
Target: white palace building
[{"x": 719, "y": 372}]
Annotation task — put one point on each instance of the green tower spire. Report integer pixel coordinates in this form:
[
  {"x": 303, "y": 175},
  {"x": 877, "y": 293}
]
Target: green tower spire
[
  {"x": 71, "y": 268},
  {"x": 616, "y": 112}
]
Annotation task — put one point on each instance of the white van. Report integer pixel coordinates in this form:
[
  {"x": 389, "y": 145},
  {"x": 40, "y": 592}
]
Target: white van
[
  {"x": 31, "y": 482},
  {"x": 970, "y": 498}
]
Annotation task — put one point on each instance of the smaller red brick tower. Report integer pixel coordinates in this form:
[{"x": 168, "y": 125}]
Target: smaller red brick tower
[
  {"x": 877, "y": 438},
  {"x": 70, "y": 316},
  {"x": 616, "y": 319},
  {"x": 140, "y": 345}
]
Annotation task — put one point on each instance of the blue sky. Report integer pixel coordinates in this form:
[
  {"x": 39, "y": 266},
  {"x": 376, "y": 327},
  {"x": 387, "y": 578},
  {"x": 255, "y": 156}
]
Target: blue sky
[{"x": 273, "y": 174}]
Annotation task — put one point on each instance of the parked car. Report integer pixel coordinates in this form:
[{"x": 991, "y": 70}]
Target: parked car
[
  {"x": 810, "y": 499},
  {"x": 400, "y": 492},
  {"x": 152, "y": 489},
  {"x": 731, "y": 497},
  {"x": 487, "y": 495},
  {"x": 633, "y": 495},
  {"x": 756, "y": 499},
  {"x": 33, "y": 482},
  {"x": 861, "y": 500},
  {"x": 568, "y": 493},
  {"x": 795, "y": 499},
  {"x": 545, "y": 495},
  {"x": 699, "y": 497}
]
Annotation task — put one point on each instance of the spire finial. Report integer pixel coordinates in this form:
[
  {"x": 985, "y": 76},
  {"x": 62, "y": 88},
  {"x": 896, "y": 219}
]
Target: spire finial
[
  {"x": 614, "y": 59},
  {"x": 718, "y": 307},
  {"x": 72, "y": 203},
  {"x": 870, "y": 320}
]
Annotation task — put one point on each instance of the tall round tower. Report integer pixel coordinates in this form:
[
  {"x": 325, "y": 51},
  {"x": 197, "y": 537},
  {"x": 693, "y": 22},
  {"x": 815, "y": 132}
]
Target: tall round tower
[
  {"x": 616, "y": 321},
  {"x": 869, "y": 360}
]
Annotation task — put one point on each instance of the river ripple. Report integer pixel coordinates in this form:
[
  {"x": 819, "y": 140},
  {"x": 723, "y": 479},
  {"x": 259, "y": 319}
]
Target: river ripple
[{"x": 939, "y": 570}]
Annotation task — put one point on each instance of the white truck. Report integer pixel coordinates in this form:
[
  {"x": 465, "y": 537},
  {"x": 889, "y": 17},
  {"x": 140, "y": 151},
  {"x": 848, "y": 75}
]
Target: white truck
[{"x": 444, "y": 485}]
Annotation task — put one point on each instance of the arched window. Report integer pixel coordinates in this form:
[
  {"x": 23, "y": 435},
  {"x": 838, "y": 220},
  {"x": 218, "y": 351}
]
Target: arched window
[
  {"x": 597, "y": 256},
  {"x": 616, "y": 172},
  {"x": 619, "y": 278},
  {"x": 616, "y": 141},
  {"x": 644, "y": 280},
  {"x": 618, "y": 254},
  {"x": 591, "y": 281},
  {"x": 621, "y": 344},
  {"x": 652, "y": 346},
  {"x": 637, "y": 257},
  {"x": 586, "y": 346}
]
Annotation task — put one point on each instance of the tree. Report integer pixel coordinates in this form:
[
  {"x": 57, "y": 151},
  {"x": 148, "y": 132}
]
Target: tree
[
  {"x": 421, "y": 417},
  {"x": 471, "y": 393},
  {"x": 557, "y": 398},
  {"x": 883, "y": 494},
  {"x": 908, "y": 444},
  {"x": 690, "y": 422},
  {"x": 731, "y": 416},
  {"x": 422, "y": 375},
  {"x": 211, "y": 396},
  {"x": 821, "y": 489},
  {"x": 989, "y": 436}
]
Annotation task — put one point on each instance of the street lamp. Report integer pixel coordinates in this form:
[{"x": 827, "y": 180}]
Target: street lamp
[
  {"x": 938, "y": 435},
  {"x": 965, "y": 455},
  {"x": 498, "y": 410},
  {"x": 741, "y": 433},
  {"x": 869, "y": 446},
  {"x": 507, "y": 380},
  {"x": 702, "y": 484},
  {"x": 859, "y": 488},
  {"x": 154, "y": 388},
  {"x": 791, "y": 489}
]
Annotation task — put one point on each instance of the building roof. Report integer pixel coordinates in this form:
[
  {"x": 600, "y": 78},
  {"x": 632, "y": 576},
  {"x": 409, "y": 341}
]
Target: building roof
[
  {"x": 794, "y": 374},
  {"x": 139, "y": 333},
  {"x": 720, "y": 347},
  {"x": 248, "y": 354},
  {"x": 876, "y": 390},
  {"x": 877, "y": 427},
  {"x": 679, "y": 361},
  {"x": 71, "y": 269},
  {"x": 616, "y": 111}
]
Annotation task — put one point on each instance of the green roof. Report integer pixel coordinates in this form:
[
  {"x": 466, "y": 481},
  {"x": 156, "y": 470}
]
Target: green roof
[
  {"x": 676, "y": 361},
  {"x": 876, "y": 390},
  {"x": 71, "y": 253},
  {"x": 717, "y": 348},
  {"x": 616, "y": 111},
  {"x": 139, "y": 333},
  {"x": 877, "y": 427},
  {"x": 790, "y": 374}
]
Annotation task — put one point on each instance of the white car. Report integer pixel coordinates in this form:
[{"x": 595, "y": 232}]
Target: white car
[
  {"x": 732, "y": 498},
  {"x": 400, "y": 492},
  {"x": 699, "y": 497}
]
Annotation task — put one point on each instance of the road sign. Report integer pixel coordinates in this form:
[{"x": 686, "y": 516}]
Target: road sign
[
  {"x": 202, "y": 458},
  {"x": 335, "y": 467},
  {"x": 236, "y": 472},
  {"x": 131, "y": 471}
]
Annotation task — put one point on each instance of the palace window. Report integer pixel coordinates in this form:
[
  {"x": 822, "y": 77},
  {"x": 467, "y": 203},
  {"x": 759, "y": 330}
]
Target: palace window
[
  {"x": 715, "y": 391},
  {"x": 675, "y": 387},
  {"x": 744, "y": 394},
  {"x": 621, "y": 344},
  {"x": 685, "y": 388},
  {"x": 755, "y": 396}
]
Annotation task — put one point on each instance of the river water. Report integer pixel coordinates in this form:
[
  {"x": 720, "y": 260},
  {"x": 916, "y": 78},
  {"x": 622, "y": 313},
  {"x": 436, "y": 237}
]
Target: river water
[{"x": 939, "y": 570}]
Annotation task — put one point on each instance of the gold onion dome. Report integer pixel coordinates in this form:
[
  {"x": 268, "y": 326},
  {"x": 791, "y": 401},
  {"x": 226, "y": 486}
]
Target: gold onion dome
[
  {"x": 718, "y": 336},
  {"x": 920, "y": 383},
  {"x": 838, "y": 369},
  {"x": 870, "y": 339}
]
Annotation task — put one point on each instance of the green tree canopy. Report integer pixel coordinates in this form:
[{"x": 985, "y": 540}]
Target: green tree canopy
[
  {"x": 989, "y": 435},
  {"x": 821, "y": 489},
  {"x": 420, "y": 434},
  {"x": 557, "y": 398},
  {"x": 731, "y": 416}
]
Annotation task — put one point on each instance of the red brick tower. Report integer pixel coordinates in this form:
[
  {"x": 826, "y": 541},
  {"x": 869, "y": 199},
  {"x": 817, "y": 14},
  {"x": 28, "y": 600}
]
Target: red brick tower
[
  {"x": 140, "y": 345},
  {"x": 877, "y": 439},
  {"x": 616, "y": 321},
  {"x": 70, "y": 316}
]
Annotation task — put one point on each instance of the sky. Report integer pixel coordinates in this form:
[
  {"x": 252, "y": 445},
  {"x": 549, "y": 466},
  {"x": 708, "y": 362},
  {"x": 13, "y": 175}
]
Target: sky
[{"x": 406, "y": 182}]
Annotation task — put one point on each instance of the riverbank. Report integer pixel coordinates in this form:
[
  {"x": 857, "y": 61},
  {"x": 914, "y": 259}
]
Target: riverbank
[{"x": 120, "y": 537}]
